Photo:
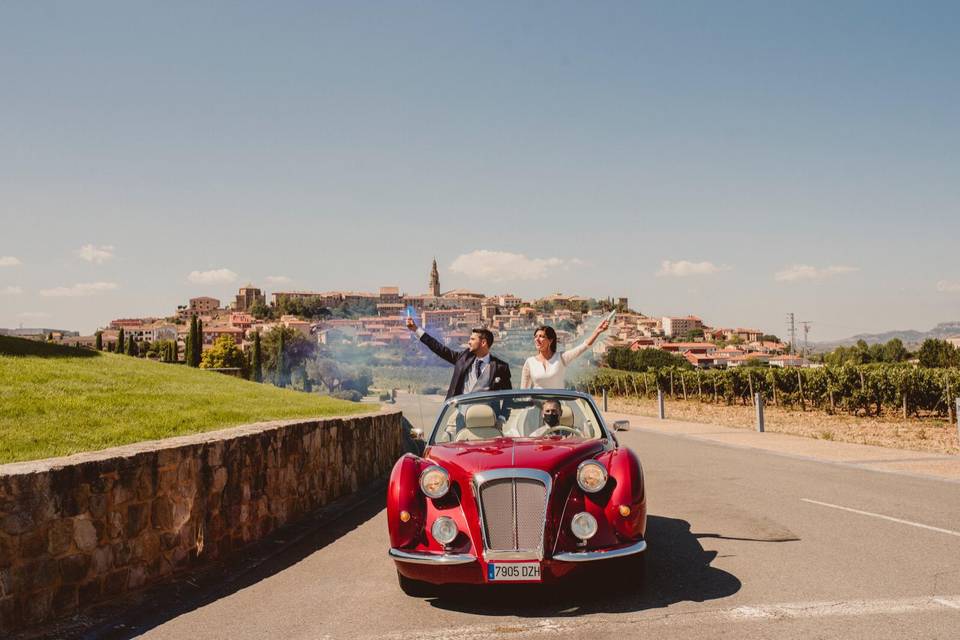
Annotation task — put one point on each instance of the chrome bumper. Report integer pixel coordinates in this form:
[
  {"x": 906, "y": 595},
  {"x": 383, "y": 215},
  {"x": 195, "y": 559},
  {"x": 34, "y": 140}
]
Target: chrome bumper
[
  {"x": 590, "y": 556},
  {"x": 446, "y": 559}
]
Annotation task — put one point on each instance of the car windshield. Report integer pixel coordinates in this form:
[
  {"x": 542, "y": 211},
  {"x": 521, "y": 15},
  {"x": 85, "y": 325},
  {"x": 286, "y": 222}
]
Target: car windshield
[{"x": 518, "y": 416}]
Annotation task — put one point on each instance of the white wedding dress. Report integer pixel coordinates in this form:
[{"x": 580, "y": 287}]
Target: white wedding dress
[{"x": 552, "y": 373}]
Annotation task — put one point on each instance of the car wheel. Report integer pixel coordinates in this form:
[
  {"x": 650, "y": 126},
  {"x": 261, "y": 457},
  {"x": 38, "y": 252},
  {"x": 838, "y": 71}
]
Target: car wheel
[{"x": 414, "y": 588}]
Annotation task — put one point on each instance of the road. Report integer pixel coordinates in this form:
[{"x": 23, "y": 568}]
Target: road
[{"x": 743, "y": 543}]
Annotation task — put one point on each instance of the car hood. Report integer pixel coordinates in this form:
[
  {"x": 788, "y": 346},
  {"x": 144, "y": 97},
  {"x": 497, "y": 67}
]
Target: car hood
[{"x": 548, "y": 454}]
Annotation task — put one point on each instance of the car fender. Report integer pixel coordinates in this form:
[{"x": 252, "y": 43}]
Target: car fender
[
  {"x": 626, "y": 474},
  {"x": 403, "y": 494}
]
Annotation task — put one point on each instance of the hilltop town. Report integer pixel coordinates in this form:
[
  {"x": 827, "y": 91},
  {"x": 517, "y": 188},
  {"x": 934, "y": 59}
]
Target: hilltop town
[{"x": 369, "y": 320}]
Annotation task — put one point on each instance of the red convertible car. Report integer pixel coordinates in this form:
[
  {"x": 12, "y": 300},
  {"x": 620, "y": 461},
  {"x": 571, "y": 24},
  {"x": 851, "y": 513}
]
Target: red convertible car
[{"x": 523, "y": 486}]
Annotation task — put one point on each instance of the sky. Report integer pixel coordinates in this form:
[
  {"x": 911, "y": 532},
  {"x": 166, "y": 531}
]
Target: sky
[{"x": 738, "y": 161}]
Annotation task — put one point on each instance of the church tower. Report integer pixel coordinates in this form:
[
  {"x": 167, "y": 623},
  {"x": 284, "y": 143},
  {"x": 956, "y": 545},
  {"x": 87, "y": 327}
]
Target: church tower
[{"x": 434, "y": 286}]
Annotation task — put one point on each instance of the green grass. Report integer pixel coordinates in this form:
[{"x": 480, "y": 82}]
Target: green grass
[{"x": 56, "y": 401}]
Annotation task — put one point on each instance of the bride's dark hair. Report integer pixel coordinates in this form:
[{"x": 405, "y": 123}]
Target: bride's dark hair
[{"x": 551, "y": 336}]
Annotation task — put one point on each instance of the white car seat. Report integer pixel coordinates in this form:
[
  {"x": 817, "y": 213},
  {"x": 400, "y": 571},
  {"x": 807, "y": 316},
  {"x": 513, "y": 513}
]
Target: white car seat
[{"x": 481, "y": 424}]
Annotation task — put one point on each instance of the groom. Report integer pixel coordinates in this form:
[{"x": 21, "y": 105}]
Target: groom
[{"x": 473, "y": 369}]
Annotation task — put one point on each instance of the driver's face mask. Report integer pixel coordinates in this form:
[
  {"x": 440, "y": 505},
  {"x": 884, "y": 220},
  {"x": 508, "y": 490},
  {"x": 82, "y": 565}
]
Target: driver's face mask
[{"x": 551, "y": 419}]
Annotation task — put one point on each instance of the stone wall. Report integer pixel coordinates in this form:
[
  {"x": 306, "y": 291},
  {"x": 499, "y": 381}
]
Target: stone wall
[{"x": 86, "y": 528}]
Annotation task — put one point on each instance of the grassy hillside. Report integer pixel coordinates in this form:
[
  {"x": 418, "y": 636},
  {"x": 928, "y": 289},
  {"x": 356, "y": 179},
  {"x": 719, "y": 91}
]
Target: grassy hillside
[{"x": 57, "y": 400}]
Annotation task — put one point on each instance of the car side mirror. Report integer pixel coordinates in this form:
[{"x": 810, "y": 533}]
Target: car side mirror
[{"x": 621, "y": 425}]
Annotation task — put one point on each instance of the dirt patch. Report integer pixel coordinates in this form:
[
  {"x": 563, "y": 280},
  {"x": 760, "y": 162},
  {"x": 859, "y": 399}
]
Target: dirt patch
[{"x": 928, "y": 434}]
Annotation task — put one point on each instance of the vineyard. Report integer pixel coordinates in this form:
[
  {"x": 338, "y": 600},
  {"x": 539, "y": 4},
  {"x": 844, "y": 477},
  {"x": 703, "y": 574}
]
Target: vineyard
[{"x": 869, "y": 390}]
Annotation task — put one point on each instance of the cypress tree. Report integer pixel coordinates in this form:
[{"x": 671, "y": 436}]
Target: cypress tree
[
  {"x": 198, "y": 351},
  {"x": 99, "y": 343},
  {"x": 174, "y": 347},
  {"x": 256, "y": 368},
  {"x": 280, "y": 364},
  {"x": 131, "y": 346},
  {"x": 120, "y": 342},
  {"x": 191, "y": 341}
]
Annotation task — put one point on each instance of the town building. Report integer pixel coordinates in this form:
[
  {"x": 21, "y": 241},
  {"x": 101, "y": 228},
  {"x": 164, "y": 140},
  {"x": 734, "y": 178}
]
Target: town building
[
  {"x": 680, "y": 325},
  {"x": 197, "y": 307},
  {"x": 247, "y": 297}
]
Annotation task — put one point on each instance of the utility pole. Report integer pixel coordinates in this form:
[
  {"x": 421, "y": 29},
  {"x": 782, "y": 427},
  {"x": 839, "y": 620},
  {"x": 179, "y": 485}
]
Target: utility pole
[
  {"x": 793, "y": 332},
  {"x": 806, "y": 331}
]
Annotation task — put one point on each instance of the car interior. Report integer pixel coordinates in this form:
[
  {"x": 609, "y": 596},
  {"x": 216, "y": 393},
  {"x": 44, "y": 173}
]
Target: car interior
[{"x": 486, "y": 420}]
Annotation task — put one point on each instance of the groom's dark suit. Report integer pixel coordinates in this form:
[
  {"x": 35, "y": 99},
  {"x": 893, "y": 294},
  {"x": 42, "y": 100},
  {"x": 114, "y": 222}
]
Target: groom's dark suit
[{"x": 493, "y": 378}]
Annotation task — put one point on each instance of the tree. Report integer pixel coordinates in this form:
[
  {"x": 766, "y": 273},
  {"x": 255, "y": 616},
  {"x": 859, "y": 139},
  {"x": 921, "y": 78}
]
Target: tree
[
  {"x": 894, "y": 351},
  {"x": 281, "y": 365},
  {"x": 693, "y": 334},
  {"x": 297, "y": 350},
  {"x": 191, "y": 341},
  {"x": 938, "y": 353},
  {"x": 224, "y": 354},
  {"x": 260, "y": 311},
  {"x": 769, "y": 337},
  {"x": 256, "y": 365},
  {"x": 643, "y": 359},
  {"x": 99, "y": 341},
  {"x": 198, "y": 350},
  {"x": 174, "y": 348},
  {"x": 132, "y": 349},
  {"x": 120, "y": 341}
]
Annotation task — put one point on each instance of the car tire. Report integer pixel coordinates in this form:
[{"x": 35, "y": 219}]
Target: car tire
[{"x": 414, "y": 588}]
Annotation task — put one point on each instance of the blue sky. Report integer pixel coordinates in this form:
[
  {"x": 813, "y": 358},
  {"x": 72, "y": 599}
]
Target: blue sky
[{"x": 738, "y": 161}]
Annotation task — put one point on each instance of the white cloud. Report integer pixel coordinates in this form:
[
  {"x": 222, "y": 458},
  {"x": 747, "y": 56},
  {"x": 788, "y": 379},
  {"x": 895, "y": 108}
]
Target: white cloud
[
  {"x": 34, "y": 315},
  {"x": 683, "y": 268},
  {"x": 948, "y": 287},
  {"x": 11, "y": 291},
  {"x": 501, "y": 266},
  {"x": 79, "y": 290},
  {"x": 94, "y": 254},
  {"x": 214, "y": 276},
  {"x": 806, "y": 272},
  {"x": 278, "y": 280},
  {"x": 9, "y": 261}
]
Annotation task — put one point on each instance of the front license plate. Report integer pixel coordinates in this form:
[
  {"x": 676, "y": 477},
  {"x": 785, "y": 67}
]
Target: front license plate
[{"x": 513, "y": 572}]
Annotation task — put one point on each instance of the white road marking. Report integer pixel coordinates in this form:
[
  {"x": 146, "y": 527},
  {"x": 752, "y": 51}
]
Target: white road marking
[
  {"x": 883, "y": 517},
  {"x": 514, "y": 628}
]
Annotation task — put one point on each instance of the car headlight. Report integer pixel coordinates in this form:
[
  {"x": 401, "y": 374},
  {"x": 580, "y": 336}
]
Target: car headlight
[
  {"x": 444, "y": 530},
  {"x": 435, "y": 481},
  {"x": 583, "y": 525},
  {"x": 591, "y": 476}
]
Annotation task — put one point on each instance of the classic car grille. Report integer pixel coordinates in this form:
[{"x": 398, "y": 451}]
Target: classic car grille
[{"x": 513, "y": 512}]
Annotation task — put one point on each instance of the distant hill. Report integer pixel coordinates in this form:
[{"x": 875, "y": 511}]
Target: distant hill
[{"x": 910, "y": 337}]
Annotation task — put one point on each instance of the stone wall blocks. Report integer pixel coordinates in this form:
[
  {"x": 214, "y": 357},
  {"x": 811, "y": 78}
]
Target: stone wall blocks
[
  {"x": 115, "y": 583},
  {"x": 115, "y": 525},
  {"x": 65, "y": 600},
  {"x": 138, "y": 517},
  {"x": 101, "y": 561},
  {"x": 162, "y": 513},
  {"x": 34, "y": 543},
  {"x": 35, "y": 574},
  {"x": 99, "y": 502},
  {"x": 35, "y": 607},
  {"x": 77, "y": 534},
  {"x": 60, "y": 537},
  {"x": 214, "y": 453},
  {"x": 84, "y": 534},
  {"x": 89, "y": 592},
  {"x": 75, "y": 568},
  {"x": 169, "y": 456}
]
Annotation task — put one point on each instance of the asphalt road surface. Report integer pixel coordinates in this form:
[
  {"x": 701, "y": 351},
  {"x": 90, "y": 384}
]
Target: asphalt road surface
[{"x": 743, "y": 544}]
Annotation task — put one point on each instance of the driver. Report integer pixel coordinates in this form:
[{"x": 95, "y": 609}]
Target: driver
[{"x": 550, "y": 414}]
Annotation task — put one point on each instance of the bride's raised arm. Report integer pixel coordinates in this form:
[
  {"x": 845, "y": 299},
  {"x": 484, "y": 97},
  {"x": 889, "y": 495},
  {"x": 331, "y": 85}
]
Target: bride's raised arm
[{"x": 572, "y": 354}]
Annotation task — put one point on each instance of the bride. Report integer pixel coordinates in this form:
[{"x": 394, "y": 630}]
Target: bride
[{"x": 547, "y": 369}]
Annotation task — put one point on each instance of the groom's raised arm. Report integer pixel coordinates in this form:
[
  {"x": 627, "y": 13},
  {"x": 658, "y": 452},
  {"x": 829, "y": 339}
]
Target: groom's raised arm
[{"x": 434, "y": 345}]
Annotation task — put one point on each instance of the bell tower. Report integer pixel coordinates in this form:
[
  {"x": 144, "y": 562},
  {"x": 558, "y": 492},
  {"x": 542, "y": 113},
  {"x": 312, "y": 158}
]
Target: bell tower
[{"x": 434, "y": 286}]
